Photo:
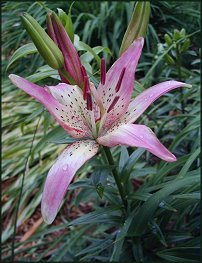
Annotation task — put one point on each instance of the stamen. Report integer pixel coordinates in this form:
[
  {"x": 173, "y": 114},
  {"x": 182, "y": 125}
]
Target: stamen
[
  {"x": 118, "y": 85},
  {"x": 86, "y": 87},
  {"x": 89, "y": 101},
  {"x": 97, "y": 98},
  {"x": 83, "y": 71},
  {"x": 113, "y": 103},
  {"x": 103, "y": 71}
]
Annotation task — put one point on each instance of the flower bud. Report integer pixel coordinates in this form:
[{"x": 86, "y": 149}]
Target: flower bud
[
  {"x": 182, "y": 32},
  {"x": 168, "y": 40},
  {"x": 185, "y": 45},
  {"x": 45, "y": 45},
  {"x": 169, "y": 59},
  {"x": 176, "y": 34},
  {"x": 137, "y": 26},
  {"x": 72, "y": 63}
]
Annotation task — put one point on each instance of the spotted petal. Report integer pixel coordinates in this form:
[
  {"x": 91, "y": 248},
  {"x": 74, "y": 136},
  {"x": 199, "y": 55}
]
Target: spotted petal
[
  {"x": 75, "y": 112},
  {"x": 62, "y": 173},
  {"x": 59, "y": 111},
  {"x": 119, "y": 83},
  {"x": 145, "y": 99},
  {"x": 136, "y": 136}
]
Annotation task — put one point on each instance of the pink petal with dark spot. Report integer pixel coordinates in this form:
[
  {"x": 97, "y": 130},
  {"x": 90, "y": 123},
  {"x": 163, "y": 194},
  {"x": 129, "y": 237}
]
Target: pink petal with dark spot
[
  {"x": 120, "y": 82},
  {"x": 58, "y": 110}
]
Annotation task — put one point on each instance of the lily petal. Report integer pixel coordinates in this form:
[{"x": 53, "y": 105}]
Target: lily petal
[
  {"x": 136, "y": 136},
  {"x": 62, "y": 173},
  {"x": 145, "y": 99},
  {"x": 60, "y": 112},
  {"x": 119, "y": 83},
  {"x": 75, "y": 106}
]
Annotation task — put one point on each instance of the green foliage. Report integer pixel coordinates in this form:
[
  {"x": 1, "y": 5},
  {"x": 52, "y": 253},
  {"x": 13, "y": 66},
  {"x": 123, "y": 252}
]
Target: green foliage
[{"x": 162, "y": 221}]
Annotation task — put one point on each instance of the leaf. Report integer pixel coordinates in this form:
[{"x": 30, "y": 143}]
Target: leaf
[
  {"x": 107, "y": 214},
  {"x": 57, "y": 135},
  {"x": 148, "y": 209},
  {"x": 189, "y": 162},
  {"x": 155, "y": 229},
  {"x": 181, "y": 254},
  {"x": 123, "y": 158},
  {"x": 22, "y": 52},
  {"x": 67, "y": 22},
  {"x": 121, "y": 234},
  {"x": 99, "y": 178},
  {"x": 130, "y": 163},
  {"x": 84, "y": 46},
  {"x": 95, "y": 248}
]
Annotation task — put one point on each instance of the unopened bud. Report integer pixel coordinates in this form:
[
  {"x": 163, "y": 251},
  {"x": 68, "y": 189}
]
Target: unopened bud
[
  {"x": 45, "y": 45},
  {"x": 176, "y": 34},
  {"x": 137, "y": 26},
  {"x": 168, "y": 40},
  {"x": 182, "y": 32},
  {"x": 169, "y": 59},
  {"x": 185, "y": 45}
]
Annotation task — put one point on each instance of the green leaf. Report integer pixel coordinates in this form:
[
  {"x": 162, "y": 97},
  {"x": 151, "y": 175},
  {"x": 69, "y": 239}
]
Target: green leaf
[
  {"x": 121, "y": 234},
  {"x": 22, "y": 52},
  {"x": 155, "y": 229},
  {"x": 181, "y": 254},
  {"x": 99, "y": 178},
  {"x": 148, "y": 209},
  {"x": 96, "y": 247},
  {"x": 130, "y": 163},
  {"x": 123, "y": 158},
  {"x": 67, "y": 22},
  {"x": 189, "y": 162},
  {"x": 57, "y": 135},
  {"x": 84, "y": 46},
  {"x": 107, "y": 214}
]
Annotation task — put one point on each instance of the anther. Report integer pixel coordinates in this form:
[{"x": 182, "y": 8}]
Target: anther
[
  {"x": 86, "y": 88},
  {"x": 118, "y": 85},
  {"x": 103, "y": 71},
  {"x": 113, "y": 104},
  {"x": 89, "y": 101},
  {"x": 83, "y": 71}
]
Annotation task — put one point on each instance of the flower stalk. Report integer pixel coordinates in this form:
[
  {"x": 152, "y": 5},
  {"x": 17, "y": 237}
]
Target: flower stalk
[{"x": 116, "y": 177}]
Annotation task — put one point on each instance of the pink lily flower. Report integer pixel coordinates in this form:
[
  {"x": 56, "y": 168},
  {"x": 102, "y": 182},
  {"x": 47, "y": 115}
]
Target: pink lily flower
[{"x": 105, "y": 116}]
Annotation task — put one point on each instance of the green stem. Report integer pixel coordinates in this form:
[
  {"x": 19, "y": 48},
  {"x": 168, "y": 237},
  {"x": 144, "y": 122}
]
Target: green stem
[{"x": 116, "y": 177}]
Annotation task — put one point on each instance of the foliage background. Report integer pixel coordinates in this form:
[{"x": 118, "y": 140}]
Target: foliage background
[{"x": 89, "y": 228}]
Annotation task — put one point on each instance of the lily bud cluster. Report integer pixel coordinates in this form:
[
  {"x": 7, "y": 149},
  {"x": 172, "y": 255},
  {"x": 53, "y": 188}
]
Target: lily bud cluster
[{"x": 56, "y": 48}]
